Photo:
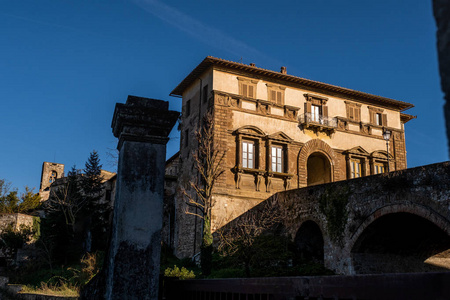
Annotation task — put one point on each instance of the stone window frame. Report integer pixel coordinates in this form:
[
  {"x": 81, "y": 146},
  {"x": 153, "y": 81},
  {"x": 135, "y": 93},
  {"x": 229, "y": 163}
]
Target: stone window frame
[
  {"x": 379, "y": 166},
  {"x": 253, "y": 152},
  {"x": 279, "y": 159},
  {"x": 254, "y": 135},
  {"x": 360, "y": 155},
  {"x": 278, "y": 91},
  {"x": 379, "y": 157},
  {"x": 281, "y": 140},
  {"x": 245, "y": 85},
  {"x": 353, "y": 111},
  {"x": 187, "y": 108},
  {"x": 360, "y": 164},
  {"x": 373, "y": 111},
  {"x": 320, "y": 101}
]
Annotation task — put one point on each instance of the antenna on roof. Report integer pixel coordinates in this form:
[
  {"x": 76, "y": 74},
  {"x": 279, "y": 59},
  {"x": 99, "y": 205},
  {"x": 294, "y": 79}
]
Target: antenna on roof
[{"x": 240, "y": 60}]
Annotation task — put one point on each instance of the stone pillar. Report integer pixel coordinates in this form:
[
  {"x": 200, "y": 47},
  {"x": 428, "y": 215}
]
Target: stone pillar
[
  {"x": 142, "y": 126},
  {"x": 441, "y": 9}
]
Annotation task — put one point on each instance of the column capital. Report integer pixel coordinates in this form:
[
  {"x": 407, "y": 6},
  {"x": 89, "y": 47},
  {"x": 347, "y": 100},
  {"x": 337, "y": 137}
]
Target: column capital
[{"x": 144, "y": 120}]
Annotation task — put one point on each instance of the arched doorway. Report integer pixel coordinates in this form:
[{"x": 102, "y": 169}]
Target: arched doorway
[
  {"x": 309, "y": 242},
  {"x": 318, "y": 169},
  {"x": 401, "y": 242}
]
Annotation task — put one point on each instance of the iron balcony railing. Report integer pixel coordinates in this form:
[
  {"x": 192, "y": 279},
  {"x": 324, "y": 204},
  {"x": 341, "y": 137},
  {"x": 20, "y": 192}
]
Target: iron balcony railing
[{"x": 317, "y": 120}]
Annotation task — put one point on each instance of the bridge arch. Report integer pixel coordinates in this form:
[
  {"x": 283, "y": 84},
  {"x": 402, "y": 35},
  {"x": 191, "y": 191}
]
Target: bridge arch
[
  {"x": 320, "y": 150},
  {"x": 400, "y": 236},
  {"x": 309, "y": 241}
]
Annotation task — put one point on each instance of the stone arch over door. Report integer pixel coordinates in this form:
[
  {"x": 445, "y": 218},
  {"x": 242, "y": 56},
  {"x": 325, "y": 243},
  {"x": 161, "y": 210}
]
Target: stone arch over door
[{"x": 320, "y": 147}]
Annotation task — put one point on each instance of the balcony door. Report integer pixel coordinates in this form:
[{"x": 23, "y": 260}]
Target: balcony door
[{"x": 315, "y": 113}]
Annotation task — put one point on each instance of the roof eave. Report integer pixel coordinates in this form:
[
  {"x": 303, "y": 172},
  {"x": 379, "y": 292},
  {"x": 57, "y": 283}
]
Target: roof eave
[{"x": 212, "y": 61}]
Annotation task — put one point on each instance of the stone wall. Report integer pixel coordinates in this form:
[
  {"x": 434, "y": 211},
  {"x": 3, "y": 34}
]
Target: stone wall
[
  {"x": 16, "y": 220},
  {"x": 421, "y": 192}
]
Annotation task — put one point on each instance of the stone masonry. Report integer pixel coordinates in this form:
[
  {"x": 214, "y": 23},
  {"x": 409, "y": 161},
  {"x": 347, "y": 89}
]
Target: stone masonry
[
  {"x": 421, "y": 192},
  {"x": 442, "y": 15},
  {"x": 132, "y": 267}
]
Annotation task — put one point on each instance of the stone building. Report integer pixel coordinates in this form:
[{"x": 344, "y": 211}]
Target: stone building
[
  {"x": 279, "y": 132},
  {"x": 50, "y": 172}
]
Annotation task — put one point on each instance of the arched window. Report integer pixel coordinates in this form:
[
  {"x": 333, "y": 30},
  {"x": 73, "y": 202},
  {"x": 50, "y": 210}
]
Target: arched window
[{"x": 52, "y": 176}]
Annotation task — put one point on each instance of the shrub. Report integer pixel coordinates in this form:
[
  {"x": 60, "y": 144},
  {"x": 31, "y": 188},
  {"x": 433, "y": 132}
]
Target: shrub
[{"x": 182, "y": 273}]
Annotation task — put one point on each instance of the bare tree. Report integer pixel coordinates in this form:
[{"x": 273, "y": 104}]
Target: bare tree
[
  {"x": 208, "y": 163},
  {"x": 66, "y": 200},
  {"x": 238, "y": 237}
]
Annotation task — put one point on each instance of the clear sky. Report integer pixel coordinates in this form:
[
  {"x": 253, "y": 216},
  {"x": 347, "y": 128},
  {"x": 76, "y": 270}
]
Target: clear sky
[{"x": 64, "y": 65}]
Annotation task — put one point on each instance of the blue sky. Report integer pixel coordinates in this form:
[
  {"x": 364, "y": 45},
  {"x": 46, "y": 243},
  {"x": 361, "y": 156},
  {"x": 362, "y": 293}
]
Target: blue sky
[{"x": 64, "y": 65}]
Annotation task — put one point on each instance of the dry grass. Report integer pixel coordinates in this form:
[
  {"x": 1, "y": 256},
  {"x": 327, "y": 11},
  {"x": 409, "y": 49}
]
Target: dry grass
[{"x": 52, "y": 290}]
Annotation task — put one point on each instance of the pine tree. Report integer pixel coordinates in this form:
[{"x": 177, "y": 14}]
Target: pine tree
[{"x": 97, "y": 211}]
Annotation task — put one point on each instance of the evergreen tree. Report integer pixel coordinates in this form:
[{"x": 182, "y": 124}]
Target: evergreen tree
[
  {"x": 29, "y": 201},
  {"x": 11, "y": 203},
  {"x": 97, "y": 211}
]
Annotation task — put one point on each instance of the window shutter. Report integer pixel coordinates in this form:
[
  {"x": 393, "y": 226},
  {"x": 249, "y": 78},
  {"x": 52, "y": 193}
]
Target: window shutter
[
  {"x": 384, "y": 119},
  {"x": 350, "y": 112},
  {"x": 244, "y": 90},
  {"x": 251, "y": 93},
  {"x": 325, "y": 111},
  {"x": 279, "y": 98},
  {"x": 372, "y": 117},
  {"x": 357, "y": 112},
  {"x": 308, "y": 107}
]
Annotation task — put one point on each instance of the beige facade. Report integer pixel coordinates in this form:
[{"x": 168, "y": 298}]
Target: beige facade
[{"x": 280, "y": 132}]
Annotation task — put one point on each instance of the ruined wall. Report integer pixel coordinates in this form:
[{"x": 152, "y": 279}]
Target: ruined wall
[
  {"x": 16, "y": 220},
  {"x": 50, "y": 172}
]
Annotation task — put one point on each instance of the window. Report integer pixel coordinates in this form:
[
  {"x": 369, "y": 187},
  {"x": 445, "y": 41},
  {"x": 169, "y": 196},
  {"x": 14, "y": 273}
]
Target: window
[
  {"x": 276, "y": 97},
  {"x": 355, "y": 168},
  {"x": 248, "y": 151},
  {"x": 353, "y": 111},
  {"x": 52, "y": 178},
  {"x": 188, "y": 107},
  {"x": 247, "y": 87},
  {"x": 205, "y": 93},
  {"x": 315, "y": 113},
  {"x": 316, "y": 109},
  {"x": 378, "y": 120},
  {"x": 186, "y": 138},
  {"x": 377, "y": 117},
  {"x": 108, "y": 195},
  {"x": 379, "y": 168},
  {"x": 248, "y": 90},
  {"x": 275, "y": 94},
  {"x": 277, "y": 159}
]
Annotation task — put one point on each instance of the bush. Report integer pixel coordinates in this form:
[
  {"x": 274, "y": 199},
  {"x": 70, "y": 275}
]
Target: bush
[
  {"x": 181, "y": 274},
  {"x": 12, "y": 240}
]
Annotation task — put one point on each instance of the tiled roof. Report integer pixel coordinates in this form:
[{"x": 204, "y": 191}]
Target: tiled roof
[{"x": 210, "y": 61}]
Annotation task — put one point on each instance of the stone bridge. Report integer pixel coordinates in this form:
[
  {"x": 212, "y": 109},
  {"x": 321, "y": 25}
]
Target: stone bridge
[{"x": 394, "y": 222}]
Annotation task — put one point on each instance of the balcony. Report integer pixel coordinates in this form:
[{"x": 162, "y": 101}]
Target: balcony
[{"x": 317, "y": 122}]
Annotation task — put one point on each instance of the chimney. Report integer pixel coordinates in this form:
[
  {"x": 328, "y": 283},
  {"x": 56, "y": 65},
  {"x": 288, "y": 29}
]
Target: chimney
[
  {"x": 283, "y": 70},
  {"x": 252, "y": 64}
]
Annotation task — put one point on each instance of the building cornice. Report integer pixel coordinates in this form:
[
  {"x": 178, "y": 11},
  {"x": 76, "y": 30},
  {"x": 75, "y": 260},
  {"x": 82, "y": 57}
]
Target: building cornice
[{"x": 210, "y": 61}]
